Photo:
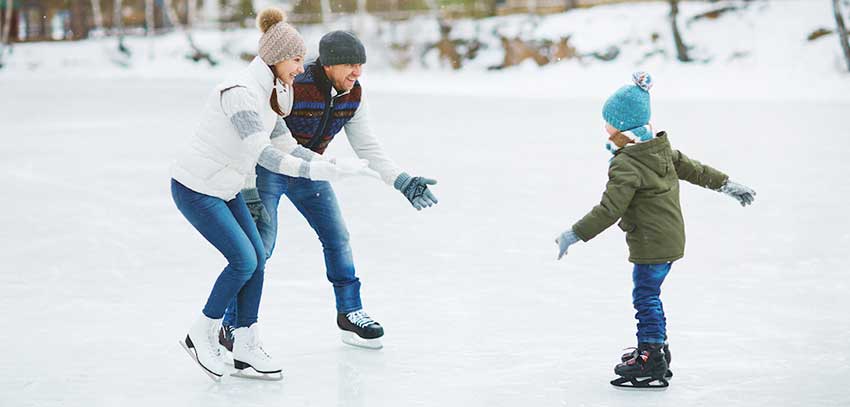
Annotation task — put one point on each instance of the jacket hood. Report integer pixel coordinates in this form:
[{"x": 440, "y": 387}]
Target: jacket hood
[{"x": 653, "y": 154}]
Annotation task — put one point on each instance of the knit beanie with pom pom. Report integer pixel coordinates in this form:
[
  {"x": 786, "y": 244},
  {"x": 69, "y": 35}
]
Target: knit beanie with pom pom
[
  {"x": 280, "y": 41},
  {"x": 628, "y": 109}
]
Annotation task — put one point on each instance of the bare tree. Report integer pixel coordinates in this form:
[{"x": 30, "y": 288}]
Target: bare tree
[
  {"x": 149, "y": 20},
  {"x": 191, "y": 8},
  {"x": 149, "y": 24},
  {"x": 7, "y": 23},
  {"x": 5, "y": 41},
  {"x": 681, "y": 48},
  {"x": 117, "y": 19},
  {"x": 842, "y": 31},
  {"x": 98, "y": 15},
  {"x": 326, "y": 11},
  {"x": 197, "y": 53}
]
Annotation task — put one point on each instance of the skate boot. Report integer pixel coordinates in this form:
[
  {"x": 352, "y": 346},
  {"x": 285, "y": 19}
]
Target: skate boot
[
  {"x": 225, "y": 337},
  {"x": 202, "y": 345},
  {"x": 360, "y": 330},
  {"x": 250, "y": 359},
  {"x": 644, "y": 371},
  {"x": 667, "y": 356}
]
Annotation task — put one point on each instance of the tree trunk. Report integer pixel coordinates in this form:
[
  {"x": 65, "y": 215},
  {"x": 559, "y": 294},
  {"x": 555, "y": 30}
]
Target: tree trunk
[
  {"x": 5, "y": 41},
  {"x": 44, "y": 30},
  {"x": 79, "y": 23},
  {"x": 842, "y": 32},
  {"x": 7, "y": 23},
  {"x": 681, "y": 48},
  {"x": 326, "y": 11},
  {"x": 149, "y": 23},
  {"x": 191, "y": 11},
  {"x": 98, "y": 15}
]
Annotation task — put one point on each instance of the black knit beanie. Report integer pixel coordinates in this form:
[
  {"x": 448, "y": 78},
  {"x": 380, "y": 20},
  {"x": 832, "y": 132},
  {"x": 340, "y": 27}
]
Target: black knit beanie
[{"x": 341, "y": 47}]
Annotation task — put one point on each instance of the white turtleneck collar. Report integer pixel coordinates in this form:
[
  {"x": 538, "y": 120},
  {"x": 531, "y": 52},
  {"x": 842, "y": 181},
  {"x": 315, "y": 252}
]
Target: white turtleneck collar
[{"x": 261, "y": 72}]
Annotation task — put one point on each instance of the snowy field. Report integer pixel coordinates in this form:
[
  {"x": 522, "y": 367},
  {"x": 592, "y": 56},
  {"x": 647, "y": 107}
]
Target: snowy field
[{"x": 102, "y": 276}]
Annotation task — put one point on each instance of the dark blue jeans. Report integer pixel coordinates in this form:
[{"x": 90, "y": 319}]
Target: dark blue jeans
[
  {"x": 652, "y": 326},
  {"x": 229, "y": 227},
  {"x": 317, "y": 203}
]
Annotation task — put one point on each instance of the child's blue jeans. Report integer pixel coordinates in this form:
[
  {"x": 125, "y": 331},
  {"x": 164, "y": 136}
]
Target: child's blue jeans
[{"x": 652, "y": 326}]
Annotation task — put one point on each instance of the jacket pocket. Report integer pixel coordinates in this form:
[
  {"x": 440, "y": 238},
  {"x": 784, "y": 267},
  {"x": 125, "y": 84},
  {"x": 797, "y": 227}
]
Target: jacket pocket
[{"x": 626, "y": 226}]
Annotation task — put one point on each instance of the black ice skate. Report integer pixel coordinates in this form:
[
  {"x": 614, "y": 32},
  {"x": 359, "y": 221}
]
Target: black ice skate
[
  {"x": 644, "y": 371},
  {"x": 667, "y": 357},
  {"x": 360, "y": 330}
]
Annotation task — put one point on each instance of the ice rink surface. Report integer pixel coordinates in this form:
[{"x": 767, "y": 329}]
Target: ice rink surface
[{"x": 101, "y": 276}]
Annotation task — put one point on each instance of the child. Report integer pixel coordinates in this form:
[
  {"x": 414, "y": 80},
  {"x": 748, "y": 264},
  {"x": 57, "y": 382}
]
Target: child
[{"x": 643, "y": 193}]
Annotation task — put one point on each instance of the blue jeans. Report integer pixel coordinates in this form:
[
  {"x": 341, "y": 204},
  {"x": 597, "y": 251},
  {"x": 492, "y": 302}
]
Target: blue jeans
[
  {"x": 652, "y": 326},
  {"x": 229, "y": 227},
  {"x": 317, "y": 203}
]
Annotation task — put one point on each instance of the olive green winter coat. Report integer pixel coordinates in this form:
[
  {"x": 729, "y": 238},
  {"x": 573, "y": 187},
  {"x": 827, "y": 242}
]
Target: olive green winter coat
[{"x": 643, "y": 191}]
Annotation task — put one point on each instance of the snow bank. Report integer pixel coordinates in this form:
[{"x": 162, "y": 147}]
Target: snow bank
[{"x": 758, "y": 52}]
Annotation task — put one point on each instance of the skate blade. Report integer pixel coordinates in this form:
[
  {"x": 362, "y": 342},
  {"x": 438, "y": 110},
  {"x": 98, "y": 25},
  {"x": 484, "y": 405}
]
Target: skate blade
[
  {"x": 216, "y": 378},
  {"x": 252, "y": 374},
  {"x": 640, "y": 383},
  {"x": 351, "y": 338},
  {"x": 246, "y": 371}
]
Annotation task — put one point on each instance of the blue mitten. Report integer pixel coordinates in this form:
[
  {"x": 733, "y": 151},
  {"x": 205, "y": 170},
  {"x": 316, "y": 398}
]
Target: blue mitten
[
  {"x": 744, "y": 194},
  {"x": 564, "y": 241},
  {"x": 255, "y": 206},
  {"x": 415, "y": 189}
]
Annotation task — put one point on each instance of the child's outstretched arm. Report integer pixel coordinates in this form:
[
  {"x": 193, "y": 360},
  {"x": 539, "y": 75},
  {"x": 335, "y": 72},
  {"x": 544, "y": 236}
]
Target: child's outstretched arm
[
  {"x": 697, "y": 173},
  {"x": 707, "y": 177},
  {"x": 623, "y": 181}
]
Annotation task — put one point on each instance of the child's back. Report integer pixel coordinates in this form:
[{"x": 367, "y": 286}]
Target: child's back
[{"x": 643, "y": 193}]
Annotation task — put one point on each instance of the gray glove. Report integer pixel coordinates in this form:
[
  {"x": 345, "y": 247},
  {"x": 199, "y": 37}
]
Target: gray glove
[
  {"x": 255, "y": 206},
  {"x": 744, "y": 194},
  {"x": 415, "y": 189},
  {"x": 564, "y": 241}
]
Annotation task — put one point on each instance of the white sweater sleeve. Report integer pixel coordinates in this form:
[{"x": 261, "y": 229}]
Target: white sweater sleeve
[
  {"x": 238, "y": 104},
  {"x": 282, "y": 140},
  {"x": 366, "y": 145}
]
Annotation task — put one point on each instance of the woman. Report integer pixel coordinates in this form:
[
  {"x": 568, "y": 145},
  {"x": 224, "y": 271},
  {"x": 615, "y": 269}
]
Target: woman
[{"x": 240, "y": 117}]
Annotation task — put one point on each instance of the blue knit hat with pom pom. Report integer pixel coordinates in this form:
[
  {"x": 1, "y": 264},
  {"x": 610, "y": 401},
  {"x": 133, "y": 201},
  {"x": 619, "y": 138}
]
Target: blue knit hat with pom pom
[{"x": 628, "y": 108}]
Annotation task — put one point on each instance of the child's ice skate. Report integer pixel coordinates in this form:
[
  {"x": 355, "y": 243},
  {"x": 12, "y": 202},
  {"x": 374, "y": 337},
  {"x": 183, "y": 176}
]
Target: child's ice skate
[
  {"x": 667, "y": 356},
  {"x": 644, "y": 371}
]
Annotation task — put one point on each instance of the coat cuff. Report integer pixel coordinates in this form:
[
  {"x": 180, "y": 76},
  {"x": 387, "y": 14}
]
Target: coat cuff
[{"x": 401, "y": 181}]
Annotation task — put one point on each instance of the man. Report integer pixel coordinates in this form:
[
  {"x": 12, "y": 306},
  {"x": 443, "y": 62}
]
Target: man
[{"x": 327, "y": 98}]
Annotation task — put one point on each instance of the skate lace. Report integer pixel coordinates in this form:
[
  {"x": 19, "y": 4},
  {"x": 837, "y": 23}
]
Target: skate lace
[
  {"x": 257, "y": 347},
  {"x": 215, "y": 348},
  {"x": 254, "y": 345},
  {"x": 360, "y": 318}
]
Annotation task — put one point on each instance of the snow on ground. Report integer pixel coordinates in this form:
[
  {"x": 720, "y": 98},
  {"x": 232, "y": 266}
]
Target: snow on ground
[
  {"x": 759, "y": 52},
  {"x": 102, "y": 276}
]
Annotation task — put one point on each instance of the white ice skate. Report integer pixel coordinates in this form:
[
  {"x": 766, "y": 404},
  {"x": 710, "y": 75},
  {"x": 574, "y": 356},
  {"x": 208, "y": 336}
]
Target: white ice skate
[
  {"x": 202, "y": 346},
  {"x": 250, "y": 359}
]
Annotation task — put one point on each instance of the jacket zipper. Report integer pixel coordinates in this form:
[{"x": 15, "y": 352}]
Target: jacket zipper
[{"x": 326, "y": 115}]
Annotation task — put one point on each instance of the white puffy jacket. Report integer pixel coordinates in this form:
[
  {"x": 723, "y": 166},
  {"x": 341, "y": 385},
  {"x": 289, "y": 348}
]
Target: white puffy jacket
[{"x": 222, "y": 154}]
